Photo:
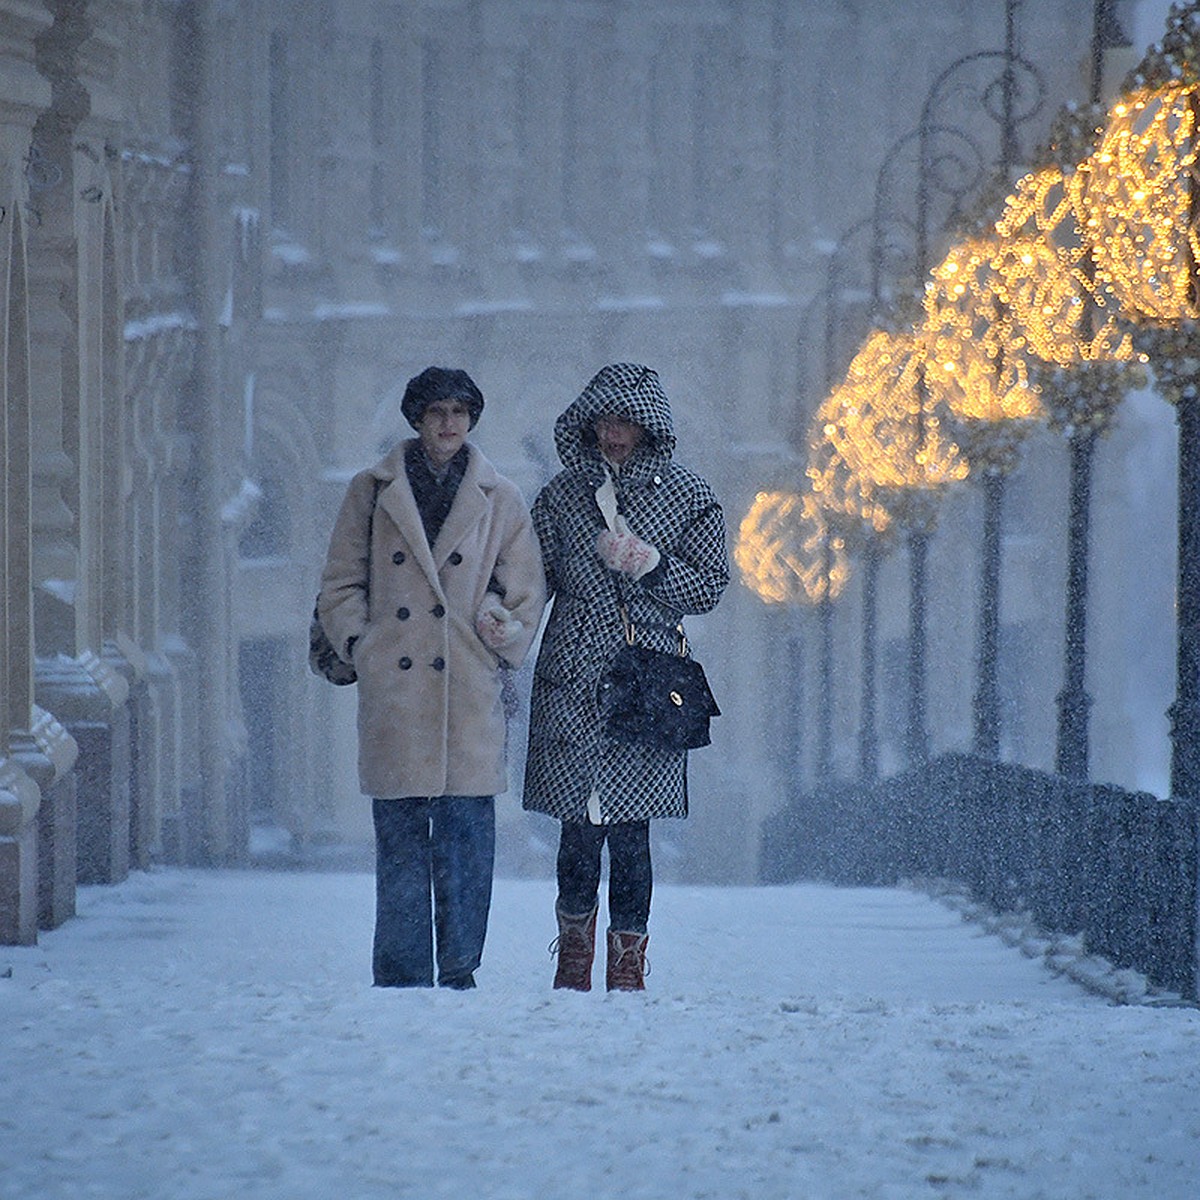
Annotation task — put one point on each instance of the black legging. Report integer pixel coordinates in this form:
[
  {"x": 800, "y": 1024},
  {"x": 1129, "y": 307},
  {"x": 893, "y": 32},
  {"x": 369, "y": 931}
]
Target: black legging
[{"x": 629, "y": 871}]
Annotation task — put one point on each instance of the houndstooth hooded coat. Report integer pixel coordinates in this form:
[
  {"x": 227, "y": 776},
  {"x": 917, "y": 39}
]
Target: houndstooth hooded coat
[{"x": 674, "y": 510}]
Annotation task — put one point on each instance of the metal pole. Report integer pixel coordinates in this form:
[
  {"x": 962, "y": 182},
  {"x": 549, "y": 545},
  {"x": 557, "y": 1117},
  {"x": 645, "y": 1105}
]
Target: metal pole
[
  {"x": 987, "y": 694},
  {"x": 1185, "y": 716},
  {"x": 1071, "y": 756},
  {"x": 868, "y": 737},
  {"x": 795, "y": 662},
  {"x": 1185, "y": 712},
  {"x": 916, "y": 733},
  {"x": 825, "y": 703}
]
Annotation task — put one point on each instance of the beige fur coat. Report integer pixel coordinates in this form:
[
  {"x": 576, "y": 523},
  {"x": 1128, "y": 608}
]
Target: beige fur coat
[{"x": 430, "y": 716}]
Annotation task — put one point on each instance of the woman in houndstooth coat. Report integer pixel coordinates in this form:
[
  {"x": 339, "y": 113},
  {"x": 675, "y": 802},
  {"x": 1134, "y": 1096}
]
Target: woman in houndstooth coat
[{"x": 622, "y": 525}]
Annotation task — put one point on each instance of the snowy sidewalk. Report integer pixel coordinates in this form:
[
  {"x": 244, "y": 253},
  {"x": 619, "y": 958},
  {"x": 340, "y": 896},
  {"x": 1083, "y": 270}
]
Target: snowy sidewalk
[{"x": 204, "y": 1036}]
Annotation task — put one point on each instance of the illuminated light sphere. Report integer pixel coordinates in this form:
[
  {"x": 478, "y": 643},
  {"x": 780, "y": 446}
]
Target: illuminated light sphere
[
  {"x": 847, "y": 500},
  {"x": 783, "y": 547},
  {"x": 977, "y": 362},
  {"x": 1133, "y": 199},
  {"x": 889, "y": 431},
  {"x": 1066, "y": 316}
]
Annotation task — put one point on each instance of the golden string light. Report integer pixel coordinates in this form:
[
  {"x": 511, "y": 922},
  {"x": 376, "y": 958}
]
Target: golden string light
[
  {"x": 1133, "y": 198},
  {"x": 885, "y": 422},
  {"x": 781, "y": 550},
  {"x": 846, "y": 499},
  {"x": 1066, "y": 316},
  {"x": 976, "y": 348}
]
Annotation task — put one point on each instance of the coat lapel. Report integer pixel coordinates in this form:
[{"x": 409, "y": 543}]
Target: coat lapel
[{"x": 396, "y": 499}]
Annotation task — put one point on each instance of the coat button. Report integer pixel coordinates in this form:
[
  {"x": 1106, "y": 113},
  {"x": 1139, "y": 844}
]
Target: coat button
[
  {"x": 455, "y": 558},
  {"x": 405, "y": 663},
  {"x": 402, "y": 613},
  {"x": 438, "y": 610},
  {"x": 398, "y": 557},
  {"x": 438, "y": 664}
]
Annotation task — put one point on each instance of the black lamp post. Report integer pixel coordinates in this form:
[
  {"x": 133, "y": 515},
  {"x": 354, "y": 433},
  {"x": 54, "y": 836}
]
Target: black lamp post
[
  {"x": 1185, "y": 712},
  {"x": 857, "y": 531},
  {"x": 1074, "y": 702},
  {"x": 939, "y": 153}
]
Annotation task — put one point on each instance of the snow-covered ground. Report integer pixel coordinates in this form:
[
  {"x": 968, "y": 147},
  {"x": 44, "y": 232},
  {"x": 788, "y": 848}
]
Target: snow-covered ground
[{"x": 203, "y": 1036}]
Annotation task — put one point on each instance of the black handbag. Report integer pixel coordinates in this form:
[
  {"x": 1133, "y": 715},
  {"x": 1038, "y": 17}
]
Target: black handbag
[{"x": 655, "y": 698}]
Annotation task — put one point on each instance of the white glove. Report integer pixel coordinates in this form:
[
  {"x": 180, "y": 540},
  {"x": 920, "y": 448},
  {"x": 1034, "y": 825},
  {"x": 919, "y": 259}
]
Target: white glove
[
  {"x": 624, "y": 551},
  {"x": 496, "y": 626}
]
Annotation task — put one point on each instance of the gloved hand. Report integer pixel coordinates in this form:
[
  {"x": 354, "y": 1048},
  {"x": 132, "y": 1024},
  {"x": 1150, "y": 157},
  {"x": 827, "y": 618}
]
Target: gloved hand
[
  {"x": 496, "y": 626},
  {"x": 622, "y": 550}
]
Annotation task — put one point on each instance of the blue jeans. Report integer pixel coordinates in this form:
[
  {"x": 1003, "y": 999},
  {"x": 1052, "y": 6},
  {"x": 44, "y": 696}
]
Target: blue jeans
[{"x": 439, "y": 848}]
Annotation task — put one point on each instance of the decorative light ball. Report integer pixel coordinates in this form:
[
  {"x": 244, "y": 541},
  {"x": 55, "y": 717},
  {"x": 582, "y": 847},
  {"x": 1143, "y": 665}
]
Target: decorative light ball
[
  {"x": 891, "y": 434},
  {"x": 1174, "y": 352},
  {"x": 1084, "y": 398},
  {"x": 847, "y": 499},
  {"x": 786, "y": 553},
  {"x": 1066, "y": 315},
  {"x": 1133, "y": 199},
  {"x": 976, "y": 350}
]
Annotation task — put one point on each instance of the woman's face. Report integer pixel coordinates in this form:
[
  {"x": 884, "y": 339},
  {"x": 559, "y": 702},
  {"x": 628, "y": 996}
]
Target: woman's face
[
  {"x": 617, "y": 437},
  {"x": 443, "y": 428}
]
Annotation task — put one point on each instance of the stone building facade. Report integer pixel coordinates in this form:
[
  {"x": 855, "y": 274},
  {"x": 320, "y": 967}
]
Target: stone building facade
[{"x": 230, "y": 231}]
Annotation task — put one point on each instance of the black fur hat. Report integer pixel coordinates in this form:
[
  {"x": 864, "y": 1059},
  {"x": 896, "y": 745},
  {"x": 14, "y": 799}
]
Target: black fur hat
[{"x": 440, "y": 383}]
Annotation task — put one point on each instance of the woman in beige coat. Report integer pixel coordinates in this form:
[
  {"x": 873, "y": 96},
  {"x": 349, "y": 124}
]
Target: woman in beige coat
[{"x": 433, "y": 581}]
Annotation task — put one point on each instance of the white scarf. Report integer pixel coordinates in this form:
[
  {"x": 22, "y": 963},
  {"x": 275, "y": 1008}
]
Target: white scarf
[{"x": 606, "y": 500}]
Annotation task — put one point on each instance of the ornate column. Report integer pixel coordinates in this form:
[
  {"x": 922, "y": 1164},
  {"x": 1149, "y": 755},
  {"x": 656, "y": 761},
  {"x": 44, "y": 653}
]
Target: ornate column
[
  {"x": 37, "y": 871},
  {"x": 212, "y": 829},
  {"x": 72, "y": 679}
]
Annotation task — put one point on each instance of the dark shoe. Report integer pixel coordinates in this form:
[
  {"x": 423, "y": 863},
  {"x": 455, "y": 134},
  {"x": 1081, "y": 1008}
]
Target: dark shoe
[
  {"x": 576, "y": 948},
  {"x": 460, "y": 983},
  {"x": 627, "y": 966}
]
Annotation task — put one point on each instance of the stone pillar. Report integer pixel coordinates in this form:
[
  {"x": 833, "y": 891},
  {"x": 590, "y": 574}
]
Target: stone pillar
[
  {"x": 49, "y": 757},
  {"x": 19, "y": 799},
  {"x": 77, "y": 454},
  {"x": 159, "y": 351},
  {"x": 126, "y": 660},
  {"x": 91, "y": 701},
  {"x": 212, "y": 827},
  {"x": 182, "y": 809},
  {"x": 494, "y": 244},
  {"x": 22, "y": 95}
]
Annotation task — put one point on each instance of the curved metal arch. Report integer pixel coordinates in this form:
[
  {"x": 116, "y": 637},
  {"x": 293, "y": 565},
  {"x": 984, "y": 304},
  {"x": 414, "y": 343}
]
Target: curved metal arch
[{"x": 1011, "y": 60}]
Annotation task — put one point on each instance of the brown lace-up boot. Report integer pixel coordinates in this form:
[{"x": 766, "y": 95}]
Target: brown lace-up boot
[
  {"x": 575, "y": 947},
  {"x": 627, "y": 966}
]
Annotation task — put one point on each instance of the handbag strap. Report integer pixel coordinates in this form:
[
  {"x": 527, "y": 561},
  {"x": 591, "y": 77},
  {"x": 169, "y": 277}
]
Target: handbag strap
[
  {"x": 631, "y": 630},
  {"x": 623, "y": 609}
]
